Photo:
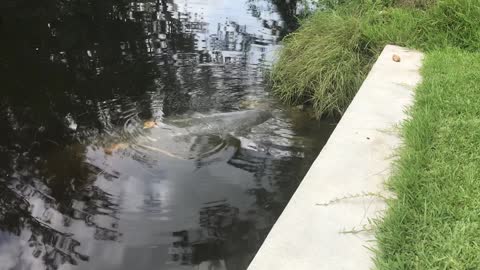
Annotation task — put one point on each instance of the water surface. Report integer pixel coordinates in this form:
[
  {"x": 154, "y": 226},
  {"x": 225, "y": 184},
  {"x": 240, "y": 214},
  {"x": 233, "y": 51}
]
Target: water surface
[{"x": 83, "y": 185}]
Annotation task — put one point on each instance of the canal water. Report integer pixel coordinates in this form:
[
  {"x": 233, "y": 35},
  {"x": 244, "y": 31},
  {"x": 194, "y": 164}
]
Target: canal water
[{"x": 101, "y": 162}]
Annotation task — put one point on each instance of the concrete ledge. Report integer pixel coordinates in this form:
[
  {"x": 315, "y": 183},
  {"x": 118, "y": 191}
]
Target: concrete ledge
[{"x": 356, "y": 160}]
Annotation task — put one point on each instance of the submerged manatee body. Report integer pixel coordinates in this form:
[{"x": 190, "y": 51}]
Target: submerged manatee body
[
  {"x": 222, "y": 123},
  {"x": 177, "y": 138}
]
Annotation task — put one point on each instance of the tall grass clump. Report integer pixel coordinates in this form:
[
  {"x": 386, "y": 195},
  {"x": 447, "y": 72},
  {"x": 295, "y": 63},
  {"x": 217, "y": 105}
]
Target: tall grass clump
[
  {"x": 326, "y": 60},
  {"x": 323, "y": 63}
]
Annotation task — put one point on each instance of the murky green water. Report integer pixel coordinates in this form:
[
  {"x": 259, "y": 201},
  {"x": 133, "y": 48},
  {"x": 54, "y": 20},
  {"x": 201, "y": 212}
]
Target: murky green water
[{"x": 84, "y": 184}]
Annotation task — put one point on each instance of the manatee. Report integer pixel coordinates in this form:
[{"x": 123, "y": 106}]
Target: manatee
[
  {"x": 220, "y": 123},
  {"x": 177, "y": 137}
]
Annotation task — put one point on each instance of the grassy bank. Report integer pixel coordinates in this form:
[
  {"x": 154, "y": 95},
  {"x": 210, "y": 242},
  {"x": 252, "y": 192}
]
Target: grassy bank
[
  {"x": 435, "y": 222},
  {"x": 327, "y": 59}
]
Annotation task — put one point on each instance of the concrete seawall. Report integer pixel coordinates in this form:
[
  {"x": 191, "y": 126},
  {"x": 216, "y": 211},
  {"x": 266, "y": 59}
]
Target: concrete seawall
[{"x": 356, "y": 160}]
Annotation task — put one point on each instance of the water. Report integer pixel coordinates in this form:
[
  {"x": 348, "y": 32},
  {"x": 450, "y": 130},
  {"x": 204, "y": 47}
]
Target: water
[{"x": 83, "y": 185}]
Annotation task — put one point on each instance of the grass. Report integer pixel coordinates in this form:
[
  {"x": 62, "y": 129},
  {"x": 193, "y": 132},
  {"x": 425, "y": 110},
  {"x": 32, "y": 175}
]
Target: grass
[
  {"x": 448, "y": 23},
  {"x": 423, "y": 4},
  {"x": 327, "y": 59},
  {"x": 435, "y": 221}
]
